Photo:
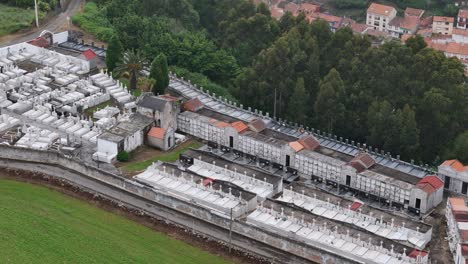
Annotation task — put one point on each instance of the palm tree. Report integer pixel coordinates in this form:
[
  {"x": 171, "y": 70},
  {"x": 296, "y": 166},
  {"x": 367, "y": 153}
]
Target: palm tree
[{"x": 133, "y": 63}]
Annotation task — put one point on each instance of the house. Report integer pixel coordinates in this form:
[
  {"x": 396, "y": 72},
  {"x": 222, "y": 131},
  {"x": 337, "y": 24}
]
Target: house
[
  {"x": 161, "y": 138},
  {"x": 127, "y": 135},
  {"x": 428, "y": 193},
  {"x": 90, "y": 56},
  {"x": 400, "y": 26},
  {"x": 359, "y": 28},
  {"x": 442, "y": 25},
  {"x": 461, "y": 3},
  {"x": 460, "y": 35},
  {"x": 414, "y": 12},
  {"x": 449, "y": 48},
  {"x": 455, "y": 176},
  {"x": 456, "y": 216},
  {"x": 378, "y": 16},
  {"x": 462, "y": 18},
  {"x": 333, "y": 21},
  {"x": 308, "y": 8},
  {"x": 163, "y": 109},
  {"x": 292, "y": 7}
]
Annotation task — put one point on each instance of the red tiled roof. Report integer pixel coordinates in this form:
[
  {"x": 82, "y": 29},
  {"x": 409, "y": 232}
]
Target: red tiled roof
[
  {"x": 449, "y": 47},
  {"x": 309, "y": 142},
  {"x": 168, "y": 97},
  {"x": 257, "y": 125},
  {"x": 456, "y": 165},
  {"x": 365, "y": 159},
  {"x": 464, "y": 235},
  {"x": 464, "y": 249},
  {"x": 463, "y": 13},
  {"x": 405, "y": 37},
  {"x": 410, "y": 23},
  {"x": 443, "y": 19},
  {"x": 192, "y": 105},
  {"x": 413, "y": 12},
  {"x": 379, "y": 9},
  {"x": 425, "y": 22},
  {"x": 276, "y": 12},
  {"x": 358, "y": 166},
  {"x": 309, "y": 8},
  {"x": 89, "y": 54},
  {"x": 415, "y": 253},
  {"x": 39, "y": 42},
  {"x": 296, "y": 146},
  {"x": 207, "y": 181},
  {"x": 291, "y": 7},
  {"x": 359, "y": 28},
  {"x": 461, "y": 32},
  {"x": 239, "y": 126},
  {"x": 430, "y": 184},
  {"x": 355, "y": 206},
  {"x": 221, "y": 124},
  {"x": 460, "y": 216},
  {"x": 157, "y": 132},
  {"x": 426, "y": 32},
  {"x": 433, "y": 180}
]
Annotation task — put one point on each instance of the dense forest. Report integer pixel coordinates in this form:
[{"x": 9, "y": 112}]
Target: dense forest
[{"x": 404, "y": 98}]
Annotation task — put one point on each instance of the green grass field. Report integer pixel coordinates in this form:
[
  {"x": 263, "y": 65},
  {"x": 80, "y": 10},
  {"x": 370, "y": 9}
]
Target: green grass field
[
  {"x": 13, "y": 19},
  {"x": 38, "y": 225},
  {"x": 170, "y": 156}
]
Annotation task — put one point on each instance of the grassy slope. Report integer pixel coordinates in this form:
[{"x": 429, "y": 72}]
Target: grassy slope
[
  {"x": 92, "y": 20},
  {"x": 38, "y": 225},
  {"x": 170, "y": 156},
  {"x": 13, "y": 19}
]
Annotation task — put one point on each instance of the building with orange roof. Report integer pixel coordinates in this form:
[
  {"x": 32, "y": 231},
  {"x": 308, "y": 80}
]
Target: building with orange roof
[
  {"x": 378, "y": 16},
  {"x": 460, "y": 35},
  {"x": 308, "y": 8},
  {"x": 163, "y": 139},
  {"x": 442, "y": 25},
  {"x": 456, "y": 216},
  {"x": 449, "y": 48},
  {"x": 163, "y": 109},
  {"x": 455, "y": 175},
  {"x": 414, "y": 12},
  {"x": 462, "y": 18}
]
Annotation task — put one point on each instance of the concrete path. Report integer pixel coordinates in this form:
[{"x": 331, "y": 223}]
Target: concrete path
[{"x": 53, "y": 25}]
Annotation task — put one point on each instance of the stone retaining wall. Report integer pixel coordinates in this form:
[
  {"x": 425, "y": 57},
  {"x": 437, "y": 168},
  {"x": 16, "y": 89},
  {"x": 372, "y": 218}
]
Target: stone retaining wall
[{"x": 257, "y": 241}]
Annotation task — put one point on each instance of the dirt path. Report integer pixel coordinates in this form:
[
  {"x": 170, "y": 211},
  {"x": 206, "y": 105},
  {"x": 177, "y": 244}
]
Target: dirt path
[
  {"x": 58, "y": 23},
  {"x": 170, "y": 230}
]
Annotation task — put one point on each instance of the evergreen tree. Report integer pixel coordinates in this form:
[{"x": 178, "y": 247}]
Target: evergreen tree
[
  {"x": 409, "y": 134},
  {"x": 114, "y": 53},
  {"x": 160, "y": 73},
  {"x": 459, "y": 149},
  {"x": 329, "y": 107},
  {"x": 297, "y": 107},
  {"x": 416, "y": 43}
]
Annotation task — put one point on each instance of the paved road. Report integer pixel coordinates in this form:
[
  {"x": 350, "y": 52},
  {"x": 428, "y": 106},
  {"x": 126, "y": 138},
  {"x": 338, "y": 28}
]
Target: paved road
[{"x": 52, "y": 25}]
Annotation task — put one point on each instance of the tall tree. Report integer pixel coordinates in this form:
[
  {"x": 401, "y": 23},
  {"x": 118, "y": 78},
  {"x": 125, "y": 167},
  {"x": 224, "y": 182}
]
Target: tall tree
[
  {"x": 329, "y": 108},
  {"x": 114, "y": 53},
  {"x": 160, "y": 73},
  {"x": 409, "y": 134},
  {"x": 133, "y": 63},
  {"x": 298, "y": 103},
  {"x": 459, "y": 149},
  {"x": 416, "y": 43}
]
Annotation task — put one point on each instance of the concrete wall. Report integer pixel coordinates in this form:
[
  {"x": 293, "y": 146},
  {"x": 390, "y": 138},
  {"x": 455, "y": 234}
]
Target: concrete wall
[{"x": 249, "y": 238}]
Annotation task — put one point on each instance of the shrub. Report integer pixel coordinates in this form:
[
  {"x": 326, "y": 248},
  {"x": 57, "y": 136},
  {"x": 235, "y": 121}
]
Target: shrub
[
  {"x": 123, "y": 156},
  {"x": 95, "y": 22}
]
